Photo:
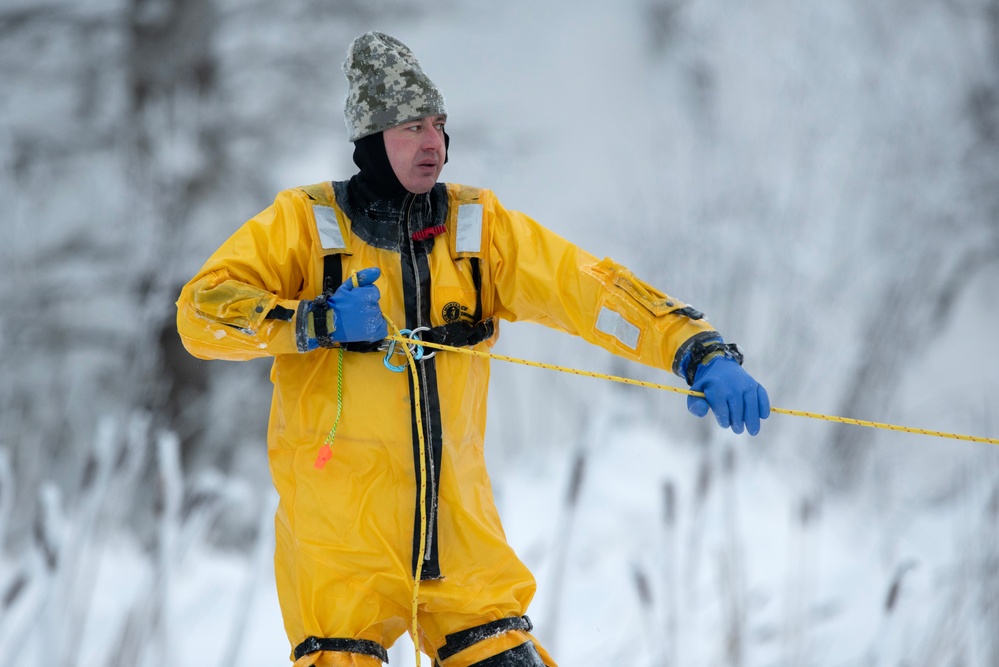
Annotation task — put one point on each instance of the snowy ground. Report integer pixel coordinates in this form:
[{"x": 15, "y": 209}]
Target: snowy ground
[{"x": 673, "y": 554}]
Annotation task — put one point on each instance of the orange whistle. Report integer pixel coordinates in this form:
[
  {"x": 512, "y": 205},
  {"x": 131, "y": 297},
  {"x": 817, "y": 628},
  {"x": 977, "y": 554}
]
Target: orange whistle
[{"x": 325, "y": 454}]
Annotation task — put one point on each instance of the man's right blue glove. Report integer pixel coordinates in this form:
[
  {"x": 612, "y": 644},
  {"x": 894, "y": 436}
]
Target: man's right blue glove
[
  {"x": 352, "y": 314},
  {"x": 731, "y": 393}
]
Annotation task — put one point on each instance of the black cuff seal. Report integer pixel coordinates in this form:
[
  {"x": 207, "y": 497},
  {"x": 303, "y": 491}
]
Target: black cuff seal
[
  {"x": 700, "y": 351},
  {"x": 320, "y": 306},
  {"x": 361, "y": 646}
]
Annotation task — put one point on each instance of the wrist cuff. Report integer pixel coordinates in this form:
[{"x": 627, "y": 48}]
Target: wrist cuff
[
  {"x": 314, "y": 325},
  {"x": 700, "y": 349},
  {"x": 320, "y": 323}
]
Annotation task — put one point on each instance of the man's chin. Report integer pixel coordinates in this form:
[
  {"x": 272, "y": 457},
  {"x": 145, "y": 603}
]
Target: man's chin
[{"x": 422, "y": 185}]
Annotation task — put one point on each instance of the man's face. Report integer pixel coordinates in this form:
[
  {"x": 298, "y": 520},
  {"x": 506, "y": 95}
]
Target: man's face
[{"x": 416, "y": 152}]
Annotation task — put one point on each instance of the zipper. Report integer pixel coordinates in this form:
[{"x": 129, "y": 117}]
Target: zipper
[{"x": 424, "y": 397}]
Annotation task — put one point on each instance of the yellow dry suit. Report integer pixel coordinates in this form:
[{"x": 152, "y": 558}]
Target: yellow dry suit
[{"x": 347, "y": 534}]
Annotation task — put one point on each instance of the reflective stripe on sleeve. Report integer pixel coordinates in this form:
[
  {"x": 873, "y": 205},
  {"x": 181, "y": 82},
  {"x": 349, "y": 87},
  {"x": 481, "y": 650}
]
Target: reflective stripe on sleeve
[{"x": 614, "y": 324}]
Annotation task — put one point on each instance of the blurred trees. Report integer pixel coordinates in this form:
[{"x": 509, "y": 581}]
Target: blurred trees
[
  {"x": 840, "y": 188},
  {"x": 136, "y": 135},
  {"x": 830, "y": 182}
]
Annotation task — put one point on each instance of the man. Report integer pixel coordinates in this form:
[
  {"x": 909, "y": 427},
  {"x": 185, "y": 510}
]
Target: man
[{"x": 399, "y": 500}]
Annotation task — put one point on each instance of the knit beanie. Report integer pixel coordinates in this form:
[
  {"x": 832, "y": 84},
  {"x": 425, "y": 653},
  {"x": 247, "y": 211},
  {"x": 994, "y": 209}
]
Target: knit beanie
[{"x": 385, "y": 86}]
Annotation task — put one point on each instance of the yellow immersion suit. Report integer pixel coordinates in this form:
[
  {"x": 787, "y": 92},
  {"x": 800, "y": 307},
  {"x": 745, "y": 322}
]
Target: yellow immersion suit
[{"x": 345, "y": 533}]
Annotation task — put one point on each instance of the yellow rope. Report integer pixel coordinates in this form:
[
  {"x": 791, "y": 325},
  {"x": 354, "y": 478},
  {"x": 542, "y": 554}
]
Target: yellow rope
[
  {"x": 414, "y": 627},
  {"x": 666, "y": 387}
]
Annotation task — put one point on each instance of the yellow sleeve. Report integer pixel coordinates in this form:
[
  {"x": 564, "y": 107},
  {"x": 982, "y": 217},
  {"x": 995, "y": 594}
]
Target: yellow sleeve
[
  {"x": 222, "y": 312},
  {"x": 538, "y": 276}
]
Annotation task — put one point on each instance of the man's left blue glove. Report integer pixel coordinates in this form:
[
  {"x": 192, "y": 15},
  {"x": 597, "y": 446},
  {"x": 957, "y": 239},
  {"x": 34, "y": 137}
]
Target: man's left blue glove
[
  {"x": 349, "y": 315},
  {"x": 357, "y": 315},
  {"x": 737, "y": 400}
]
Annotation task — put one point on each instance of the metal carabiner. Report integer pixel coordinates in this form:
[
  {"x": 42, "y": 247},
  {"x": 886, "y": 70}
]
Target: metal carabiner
[
  {"x": 415, "y": 349},
  {"x": 423, "y": 353}
]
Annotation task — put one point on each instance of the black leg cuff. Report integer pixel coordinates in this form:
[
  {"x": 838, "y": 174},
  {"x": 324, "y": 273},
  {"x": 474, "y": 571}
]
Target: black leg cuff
[{"x": 362, "y": 646}]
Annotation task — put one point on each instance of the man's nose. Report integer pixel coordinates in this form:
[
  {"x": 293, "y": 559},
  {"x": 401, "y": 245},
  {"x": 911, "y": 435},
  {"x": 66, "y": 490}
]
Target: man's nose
[{"x": 433, "y": 140}]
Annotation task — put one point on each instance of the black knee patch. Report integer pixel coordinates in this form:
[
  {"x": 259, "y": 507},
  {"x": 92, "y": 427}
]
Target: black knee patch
[{"x": 362, "y": 646}]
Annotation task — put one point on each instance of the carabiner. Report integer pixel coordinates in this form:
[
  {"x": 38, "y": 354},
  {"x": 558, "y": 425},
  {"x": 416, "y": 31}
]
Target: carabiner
[
  {"x": 415, "y": 349},
  {"x": 423, "y": 353}
]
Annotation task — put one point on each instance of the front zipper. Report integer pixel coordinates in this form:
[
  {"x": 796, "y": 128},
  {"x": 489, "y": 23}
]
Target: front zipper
[{"x": 424, "y": 394}]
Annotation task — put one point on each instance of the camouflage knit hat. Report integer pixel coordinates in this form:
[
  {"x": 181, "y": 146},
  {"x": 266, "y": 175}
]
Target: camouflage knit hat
[{"x": 385, "y": 86}]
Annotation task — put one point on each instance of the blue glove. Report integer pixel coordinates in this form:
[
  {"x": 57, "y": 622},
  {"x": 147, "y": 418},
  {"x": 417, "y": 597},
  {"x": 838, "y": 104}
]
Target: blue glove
[
  {"x": 357, "y": 315},
  {"x": 352, "y": 314},
  {"x": 737, "y": 399}
]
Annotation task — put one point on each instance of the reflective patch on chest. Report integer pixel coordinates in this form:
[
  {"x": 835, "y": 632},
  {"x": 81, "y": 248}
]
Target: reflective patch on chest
[
  {"x": 614, "y": 324},
  {"x": 468, "y": 237},
  {"x": 329, "y": 229}
]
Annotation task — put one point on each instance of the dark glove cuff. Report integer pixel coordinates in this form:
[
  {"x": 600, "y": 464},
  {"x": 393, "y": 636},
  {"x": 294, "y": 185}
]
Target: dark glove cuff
[
  {"x": 701, "y": 348},
  {"x": 709, "y": 353},
  {"x": 320, "y": 306},
  {"x": 316, "y": 312}
]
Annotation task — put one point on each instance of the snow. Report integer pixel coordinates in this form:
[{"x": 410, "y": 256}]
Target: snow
[{"x": 819, "y": 178}]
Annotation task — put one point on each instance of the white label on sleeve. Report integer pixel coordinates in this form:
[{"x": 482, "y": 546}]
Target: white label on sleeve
[
  {"x": 329, "y": 229},
  {"x": 469, "y": 234},
  {"x": 614, "y": 324}
]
